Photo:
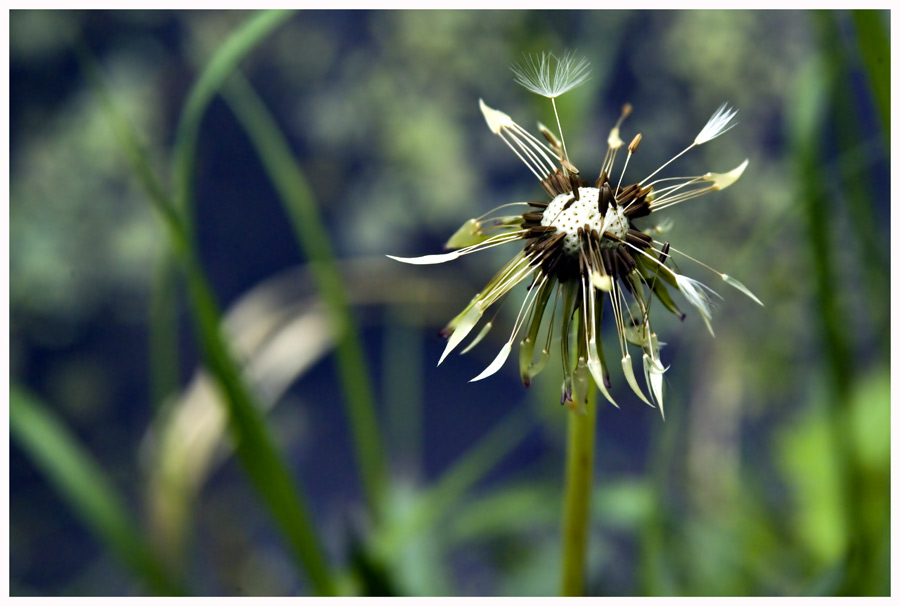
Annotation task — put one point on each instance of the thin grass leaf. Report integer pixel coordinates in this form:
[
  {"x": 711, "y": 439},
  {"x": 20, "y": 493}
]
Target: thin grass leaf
[
  {"x": 127, "y": 139},
  {"x": 164, "y": 330},
  {"x": 163, "y": 310},
  {"x": 403, "y": 384},
  {"x": 815, "y": 90},
  {"x": 513, "y": 509},
  {"x": 254, "y": 442},
  {"x": 875, "y": 46},
  {"x": 858, "y": 195},
  {"x": 226, "y": 58},
  {"x": 311, "y": 235},
  {"x": 808, "y": 118},
  {"x": 448, "y": 490},
  {"x": 83, "y": 485},
  {"x": 863, "y": 564},
  {"x": 659, "y": 555}
]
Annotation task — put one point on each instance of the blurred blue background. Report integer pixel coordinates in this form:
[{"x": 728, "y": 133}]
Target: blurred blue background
[{"x": 741, "y": 490}]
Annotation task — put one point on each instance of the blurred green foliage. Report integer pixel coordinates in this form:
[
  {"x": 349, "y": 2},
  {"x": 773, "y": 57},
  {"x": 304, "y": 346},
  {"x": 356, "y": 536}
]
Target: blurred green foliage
[{"x": 771, "y": 473}]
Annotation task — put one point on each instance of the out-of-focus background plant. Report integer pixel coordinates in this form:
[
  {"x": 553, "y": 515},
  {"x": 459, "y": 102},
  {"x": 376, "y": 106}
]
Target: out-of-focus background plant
[{"x": 174, "y": 173}]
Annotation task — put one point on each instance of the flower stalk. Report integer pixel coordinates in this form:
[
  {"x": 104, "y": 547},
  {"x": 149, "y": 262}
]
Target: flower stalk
[
  {"x": 577, "y": 498},
  {"x": 590, "y": 247}
]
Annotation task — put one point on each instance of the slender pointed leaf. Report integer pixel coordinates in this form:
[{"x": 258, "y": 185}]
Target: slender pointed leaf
[
  {"x": 254, "y": 442},
  {"x": 84, "y": 486},
  {"x": 311, "y": 235}
]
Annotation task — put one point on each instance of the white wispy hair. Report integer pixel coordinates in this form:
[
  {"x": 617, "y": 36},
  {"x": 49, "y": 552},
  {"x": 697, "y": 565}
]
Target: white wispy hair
[
  {"x": 551, "y": 76},
  {"x": 697, "y": 293},
  {"x": 720, "y": 122}
]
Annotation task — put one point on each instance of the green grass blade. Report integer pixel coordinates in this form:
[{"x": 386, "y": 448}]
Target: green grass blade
[
  {"x": 440, "y": 498},
  {"x": 857, "y": 194},
  {"x": 254, "y": 443},
  {"x": 404, "y": 389},
  {"x": 657, "y": 571},
  {"x": 813, "y": 106},
  {"x": 127, "y": 138},
  {"x": 163, "y": 322},
  {"x": 875, "y": 46},
  {"x": 221, "y": 65},
  {"x": 84, "y": 486},
  {"x": 163, "y": 309},
  {"x": 311, "y": 235},
  {"x": 809, "y": 112}
]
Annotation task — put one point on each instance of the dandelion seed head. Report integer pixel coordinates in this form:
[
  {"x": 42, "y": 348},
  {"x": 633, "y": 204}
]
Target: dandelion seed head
[
  {"x": 567, "y": 215},
  {"x": 551, "y": 76},
  {"x": 582, "y": 252},
  {"x": 719, "y": 123}
]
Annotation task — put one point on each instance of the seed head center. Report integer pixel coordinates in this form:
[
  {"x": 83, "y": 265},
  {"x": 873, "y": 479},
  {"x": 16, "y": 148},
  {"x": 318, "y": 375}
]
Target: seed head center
[{"x": 567, "y": 215}]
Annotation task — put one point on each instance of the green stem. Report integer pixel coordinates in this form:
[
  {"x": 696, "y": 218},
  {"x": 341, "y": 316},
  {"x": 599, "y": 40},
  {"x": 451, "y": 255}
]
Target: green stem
[{"x": 577, "y": 504}]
